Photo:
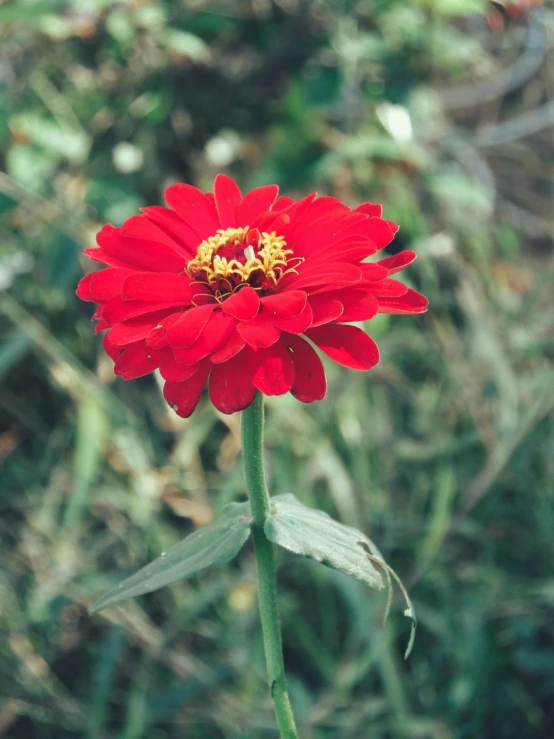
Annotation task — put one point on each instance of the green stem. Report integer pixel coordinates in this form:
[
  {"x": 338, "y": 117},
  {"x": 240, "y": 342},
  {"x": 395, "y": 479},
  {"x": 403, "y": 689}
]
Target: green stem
[{"x": 252, "y": 450}]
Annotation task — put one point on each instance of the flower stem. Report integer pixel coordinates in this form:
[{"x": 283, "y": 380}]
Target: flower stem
[{"x": 252, "y": 449}]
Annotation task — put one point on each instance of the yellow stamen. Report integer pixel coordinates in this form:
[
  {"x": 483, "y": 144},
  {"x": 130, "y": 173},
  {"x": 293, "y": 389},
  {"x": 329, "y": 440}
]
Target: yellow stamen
[{"x": 269, "y": 257}]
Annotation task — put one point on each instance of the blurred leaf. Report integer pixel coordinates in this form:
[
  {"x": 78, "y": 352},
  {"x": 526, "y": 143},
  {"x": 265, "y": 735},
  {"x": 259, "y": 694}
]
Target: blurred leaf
[
  {"x": 458, "y": 7},
  {"x": 213, "y": 545},
  {"x": 59, "y": 138},
  {"x": 92, "y": 429},
  {"x": 30, "y": 166},
  {"x": 187, "y": 44},
  {"x": 27, "y": 11},
  {"x": 12, "y": 351}
]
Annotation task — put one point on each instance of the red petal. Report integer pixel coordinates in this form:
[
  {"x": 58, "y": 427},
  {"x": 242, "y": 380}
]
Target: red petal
[
  {"x": 157, "y": 338},
  {"x": 172, "y": 371},
  {"x": 111, "y": 350},
  {"x": 104, "y": 257},
  {"x": 322, "y": 274},
  {"x": 227, "y": 200},
  {"x": 107, "y": 283},
  {"x": 158, "y": 287},
  {"x": 282, "y": 221},
  {"x": 232, "y": 346},
  {"x": 116, "y": 309},
  {"x": 231, "y": 387},
  {"x": 190, "y": 325},
  {"x": 83, "y": 288},
  {"x": 351, "y": 249},
  {"x": 194, "y": 208},
  {"x": 283, "y": 202},
  {"x": 142, "y": 227},
  {"x": 135, "y": 329},
  {"x": 347, "y": 345},
  {"x": 174, "y": 226},
  {"x": 373, "y": 272},
  {"x": 140, "y": 253},
  {"x": 386, "y": 288},
  {"x": 381, "y": 232},
  {"x": 259, "y": 332},
  {"x": 410, "y": 302},
  {"x": 183, "y": 397},
  {"x": 326, "y": 230},
  {"x": 274, "y": 369},
  {"x": 243, "y": 304},
  {"x": 298, "y": 324},
  {"x": 137, "y": 360},
  {"x": 325, "y": 309},
  {"x": 310, "y": 382},
  {"x": 255, "y": 202},
  {"x": 287, "y": 304},
  {"x": 398, "y": 262},
  {"x": 370, "y": 209},
  {"x": 213, "y": 337},
  {"x": 358, "y": 305}
]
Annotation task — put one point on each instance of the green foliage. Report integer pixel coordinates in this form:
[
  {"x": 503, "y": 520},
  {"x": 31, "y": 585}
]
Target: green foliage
[
  {"x": 212, "y": 545},
  {"x": 442, "y": 454}
]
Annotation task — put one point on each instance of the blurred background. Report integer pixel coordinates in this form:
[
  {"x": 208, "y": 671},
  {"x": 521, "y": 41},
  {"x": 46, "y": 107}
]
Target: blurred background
[{"x": 443, "y": 454}]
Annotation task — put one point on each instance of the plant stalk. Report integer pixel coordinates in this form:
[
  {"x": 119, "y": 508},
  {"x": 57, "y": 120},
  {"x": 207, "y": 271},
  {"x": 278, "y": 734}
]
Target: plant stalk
[{"x": 252, "y": 450}]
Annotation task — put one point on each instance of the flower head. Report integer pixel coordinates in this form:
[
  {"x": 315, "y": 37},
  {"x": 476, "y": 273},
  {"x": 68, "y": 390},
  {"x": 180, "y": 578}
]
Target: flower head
[{"x": 237, "y": 290}]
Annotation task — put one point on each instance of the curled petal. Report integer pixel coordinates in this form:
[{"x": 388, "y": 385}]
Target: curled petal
[
  {"x": 137, "y": 360},
  {"x": 259, "y": 332},
  {"x": 398, "y": 261},
  {"x": 298, "y": 324},
  {"x": 287, "y": 304},
  {"x": 232, "y": 346},
  {"x": 172, "y": 371},
  {"x": 310, "y": 382},
  {"x": 230, "y": 386},
  {"x": 325, "y": 309},
  {"x": 410, "y": 302},
  {"x": 347, "y": 345},
  {"x": 242, "y": 304},
  {"x": 185, "y": 331},
  {"x": 273, "y": 369},
  {"x": 370, "y": 209},
  {"x": 215, "y": 334},
  {"x": 358, "y": 305},
  {"x": 157, "y": 338},
  {"x": 183, "y": 396},
  {"x": 135, "y": 329},
  {"x": 387, "y": 288}
]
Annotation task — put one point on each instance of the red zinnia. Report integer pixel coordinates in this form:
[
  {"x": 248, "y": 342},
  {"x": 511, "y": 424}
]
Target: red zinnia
[{"x": 238, "y": 289}]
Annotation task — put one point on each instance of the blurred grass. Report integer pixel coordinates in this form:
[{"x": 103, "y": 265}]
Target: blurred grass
[{"x": 443, "y": 453}]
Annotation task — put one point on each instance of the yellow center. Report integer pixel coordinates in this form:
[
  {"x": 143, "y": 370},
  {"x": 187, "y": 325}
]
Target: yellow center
[{"x": 235, "y": 256}]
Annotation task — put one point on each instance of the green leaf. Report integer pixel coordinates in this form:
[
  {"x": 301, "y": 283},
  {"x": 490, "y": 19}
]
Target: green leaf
[
  {"x": 312, "y": 533},
  {"x": 212, "y": 545},
  {"x": 315, "y": 534}
]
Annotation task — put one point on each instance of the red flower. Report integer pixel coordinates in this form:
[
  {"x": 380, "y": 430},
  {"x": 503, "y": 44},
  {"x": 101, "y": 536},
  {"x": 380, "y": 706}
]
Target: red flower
[{"x": 230, "y": 288}]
